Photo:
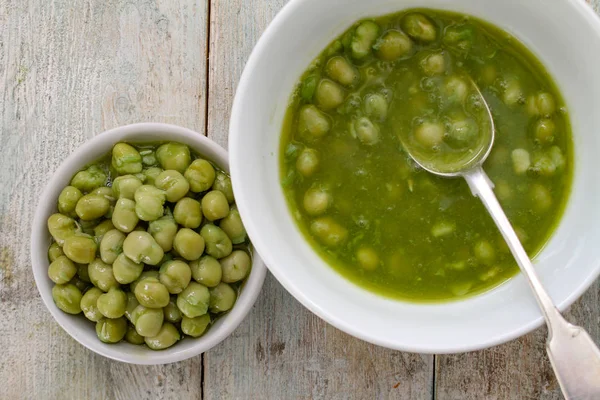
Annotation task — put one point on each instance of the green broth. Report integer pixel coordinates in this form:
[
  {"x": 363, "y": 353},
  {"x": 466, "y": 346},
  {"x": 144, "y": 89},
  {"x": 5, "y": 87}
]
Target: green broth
[{"x": 368, "y": 210}]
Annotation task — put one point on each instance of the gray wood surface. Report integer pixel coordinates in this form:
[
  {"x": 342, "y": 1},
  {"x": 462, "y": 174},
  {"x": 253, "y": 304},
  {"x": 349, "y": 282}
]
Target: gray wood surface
[{"x": 70, "y": 69}]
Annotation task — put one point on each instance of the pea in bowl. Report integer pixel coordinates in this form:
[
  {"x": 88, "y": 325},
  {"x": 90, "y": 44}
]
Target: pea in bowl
[
  {"x": 144, "y": 246},
  {"x": 335, "y": 208}
]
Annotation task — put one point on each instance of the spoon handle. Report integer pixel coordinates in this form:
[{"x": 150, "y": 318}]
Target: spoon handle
[{"x": 573, "y": 354}]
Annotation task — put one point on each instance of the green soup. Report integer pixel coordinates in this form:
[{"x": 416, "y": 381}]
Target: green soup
[{"x": 368, "y": 209}]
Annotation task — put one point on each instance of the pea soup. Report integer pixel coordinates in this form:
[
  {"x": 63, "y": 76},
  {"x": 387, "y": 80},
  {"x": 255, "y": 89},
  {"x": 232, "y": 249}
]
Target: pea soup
[{"x": 368, "y": 209}]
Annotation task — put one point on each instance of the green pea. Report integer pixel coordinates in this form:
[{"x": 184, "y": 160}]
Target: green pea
[
  {"x": 195, "y": 327},
  {"x": 312, "y": 123},
  {"x": 89, "y": 179},
  {"x": 215, "y": 205},
  {"x": 521, "y": 161},
  {"x": 207, "y": 271},
  {"x": 144, "y": 275},
  {"x": 101, "y": 229},
  {"x": 173, "y": 183},
  {"x": 133, "y": 337},
  {"x": 125, "y": 186},
  {"x": 174, "y": 156},
  {"x": 433, "y": 64},
  {"x": 366, "y": 131},
  {"x": 149, "y": 202},
  {"x": 124, "y": 216},
  {"x": 456, "y": 90},
  {"x": 200, "y": 175},
  {"x": 126, "y": 159},
  {"x": 132, "y": 303},
  {"x": 513, "y": 94},
  {"x": 216, "y": 240},
  {"x": 544, "y": 130},
  {"x": 393, "y": 45},
  {"x": 235, "y": 266},
  {"x": 54, "y": 251},
  {"x": 188, "y": 244},
  {"x": 80, "y": 284},
  {"x": 232, "y": 225},
  {"x": 541, "y": 197},
  {"x": 172, "y": 313},
  {"x": 166, "y": 337},
  {"x": 101, "y": 275},
  {"x": 223, "y": 184},
  {"x": 62, "y": 270},
  {"x": 151, "y": 174},
  {"x": 151, "y": 293},
  {"x": 125, "y": 270},
  {"x": 113, "y": 303},
  {"x": 67, "y": 298},
  {"x": 80, "y": 248},
  {"x": 90, "y": 207},
  {"x": 429, "y": 134},
  {"x": 67, "y": 200},
  {"x": 89, "y": 304},
  {"x": 163, "y": 230},
  {"x": 61, "y": 227},
  {"x": 222, "y": 298},
  {"x": 541, "y": 104},
  {"x": 148, "y": 157},
  {"x": 363, "y": 39},
  {"x": 328, "y": 231},
  {"x": 419, "y": 27},
  {"x": 193, "y": 301},
  {"x": 329, "y": 95},
  {"x": 111, "y": 245},
  {"x": 376, "y": 106},
  {"x": 82, "y": 272},
  {"x": 308, "y": 162},
  {"x": 105, "y": 192},
  {"x": 316, "y": 201},
  {"x": 341, "y": 71},
  {"x": 308, "y": 87},
  {"x": 188, "y": 213},
  {"x": 175, "y": 275},
  {"x": 88, "y": 227},
  {"x": 367, "y": 258},
  {"x": 147, "y": 321},
  {"x": 461, "y": 133},
  {"x": 111, "y": 330},
  {"x": 141, "y": 247},
  {"x": 485, "y": 252}
]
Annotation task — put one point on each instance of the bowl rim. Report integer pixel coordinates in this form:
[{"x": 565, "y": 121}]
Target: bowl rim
[
  {"x": 68, "y": 167},
  {"x": 236, "y": 128}
]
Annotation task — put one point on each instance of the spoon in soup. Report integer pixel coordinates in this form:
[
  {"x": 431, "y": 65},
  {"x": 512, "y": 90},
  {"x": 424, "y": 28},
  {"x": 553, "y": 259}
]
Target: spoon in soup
[{"x": 574, "y": 356}]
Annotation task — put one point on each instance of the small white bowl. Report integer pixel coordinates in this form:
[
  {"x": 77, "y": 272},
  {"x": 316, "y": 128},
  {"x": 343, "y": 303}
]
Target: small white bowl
[
  {"x": 77, "y": 326},
  {"x": 564, "y": 34}
]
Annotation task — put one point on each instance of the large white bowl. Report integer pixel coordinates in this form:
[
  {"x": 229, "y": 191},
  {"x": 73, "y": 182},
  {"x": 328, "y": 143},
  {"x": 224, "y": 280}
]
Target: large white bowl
[
  {"x": 564, "y": 34},
  {"x": 77, "y": 326}
]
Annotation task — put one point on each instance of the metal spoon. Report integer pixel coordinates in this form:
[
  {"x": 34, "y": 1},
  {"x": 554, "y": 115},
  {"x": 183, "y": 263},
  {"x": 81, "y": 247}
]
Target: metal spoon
[{"x": 572, "y": 352}]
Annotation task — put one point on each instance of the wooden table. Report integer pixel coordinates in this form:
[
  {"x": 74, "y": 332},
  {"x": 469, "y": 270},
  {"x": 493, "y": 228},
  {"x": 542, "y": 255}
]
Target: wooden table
[{"x": 70, "y": 69}]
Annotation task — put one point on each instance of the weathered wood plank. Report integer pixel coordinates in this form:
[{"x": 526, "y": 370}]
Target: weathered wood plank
[
  {"x": 68, "y": 71},
  {"x": 517, "y": 370},
  {"x": 282, "y": 351}
]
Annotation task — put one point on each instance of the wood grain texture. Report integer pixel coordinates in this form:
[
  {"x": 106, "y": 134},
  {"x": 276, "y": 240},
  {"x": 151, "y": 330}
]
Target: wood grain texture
[
  {"x": 281, "y": 350},
  {"x": 69, "y": 70},
  {"x": 516, "y": 370}
]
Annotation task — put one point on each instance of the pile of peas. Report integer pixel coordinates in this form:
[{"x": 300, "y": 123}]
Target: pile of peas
[{"x": 148, "y": 244}]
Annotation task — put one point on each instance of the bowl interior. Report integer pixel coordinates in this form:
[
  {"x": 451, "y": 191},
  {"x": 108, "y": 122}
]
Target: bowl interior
[
  {"x": 562, "y": 35},
  {"x": 77, "y": 326}
]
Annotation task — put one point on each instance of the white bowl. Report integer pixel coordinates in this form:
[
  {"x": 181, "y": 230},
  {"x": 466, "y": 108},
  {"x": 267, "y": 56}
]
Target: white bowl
[
  {"x": 83, "y": 330},
  {"x": 564, "y": 34}
]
